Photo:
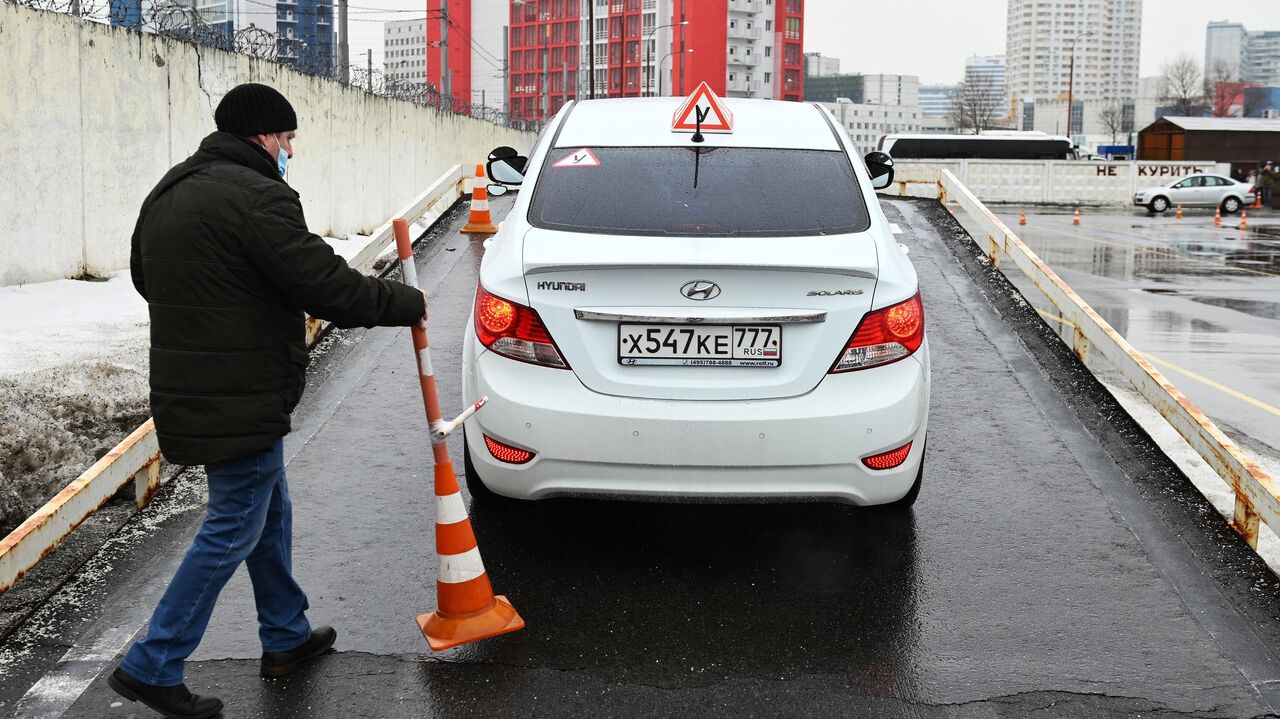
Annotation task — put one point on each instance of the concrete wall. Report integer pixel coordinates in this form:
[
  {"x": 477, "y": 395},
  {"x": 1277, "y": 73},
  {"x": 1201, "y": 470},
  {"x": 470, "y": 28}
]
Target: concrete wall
[
  {"x": 91, "y": 116},
  {"x": 1053, "y": 182}
]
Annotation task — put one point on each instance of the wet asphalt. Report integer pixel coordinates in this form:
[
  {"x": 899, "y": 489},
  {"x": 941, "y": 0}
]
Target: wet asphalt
[
  {"x": 1203, "y": 300},
  {"x": 1053, "y": 565}
]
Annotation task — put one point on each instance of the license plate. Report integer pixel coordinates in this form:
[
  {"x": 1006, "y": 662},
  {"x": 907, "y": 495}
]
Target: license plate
[{"x": 700, "y": 345}]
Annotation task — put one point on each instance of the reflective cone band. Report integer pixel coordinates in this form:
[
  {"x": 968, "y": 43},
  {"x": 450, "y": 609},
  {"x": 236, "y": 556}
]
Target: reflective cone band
[
  {"x": 468, "y": 611},
  {"x": 480, "y": 222}
]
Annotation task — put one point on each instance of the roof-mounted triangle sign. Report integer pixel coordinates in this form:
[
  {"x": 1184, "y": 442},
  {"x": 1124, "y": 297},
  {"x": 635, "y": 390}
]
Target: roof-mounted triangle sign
[{"x": 715, "y": 116}]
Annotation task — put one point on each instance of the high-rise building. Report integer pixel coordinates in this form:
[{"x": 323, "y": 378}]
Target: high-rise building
[
  {"x": 404, "y": 54},
  {"x": 936, "y": 100},
  {"x": 987, "y": 71},
  {"x": 1224, "y": 51},
  {"x": 532, "y": 56},
  {"x": 304, "y": 27},
  {"x": 1040, "y": 38},
  {"x": 1233, "y": 54}
]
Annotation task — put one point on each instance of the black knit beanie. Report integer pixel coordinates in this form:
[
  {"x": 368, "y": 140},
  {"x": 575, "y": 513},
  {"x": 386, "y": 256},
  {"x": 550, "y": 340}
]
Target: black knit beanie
[{"x": 252, "y": 109}]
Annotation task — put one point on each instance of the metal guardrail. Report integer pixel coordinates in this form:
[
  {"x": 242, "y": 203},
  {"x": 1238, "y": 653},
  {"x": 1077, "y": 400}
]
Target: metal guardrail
[
  {"x": 137, "y": 458},
  {"x": 1256, "y": 495}
]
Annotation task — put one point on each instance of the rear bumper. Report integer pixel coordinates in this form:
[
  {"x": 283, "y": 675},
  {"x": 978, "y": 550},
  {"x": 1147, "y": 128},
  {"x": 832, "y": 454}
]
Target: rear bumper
[{"x": 800, "y": 448}]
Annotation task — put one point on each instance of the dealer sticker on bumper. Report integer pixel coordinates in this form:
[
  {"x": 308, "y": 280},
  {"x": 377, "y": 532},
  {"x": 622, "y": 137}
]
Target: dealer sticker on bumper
[{"x": 700, "y": 345}]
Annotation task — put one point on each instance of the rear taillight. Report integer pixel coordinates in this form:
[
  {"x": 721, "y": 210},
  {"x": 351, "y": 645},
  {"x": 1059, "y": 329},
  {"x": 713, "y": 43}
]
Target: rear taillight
[
  {"x": 507, "y": 453},
  {"x": 884, "y": 336},
  {"x": 514, "y": 331},
  {"x": 884, "y": 460}
]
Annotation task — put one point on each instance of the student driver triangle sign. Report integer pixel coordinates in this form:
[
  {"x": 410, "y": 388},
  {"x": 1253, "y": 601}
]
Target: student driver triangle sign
[
  {"x": 703, "y": 104},
  {"x": 582, "y": 158}
]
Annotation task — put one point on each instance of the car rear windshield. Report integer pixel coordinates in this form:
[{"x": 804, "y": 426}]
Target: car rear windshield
[{"x": 698, "y": 192}]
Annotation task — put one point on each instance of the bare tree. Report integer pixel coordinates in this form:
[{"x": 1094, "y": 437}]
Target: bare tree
[
  {"x": 1112, "y": 114},
  {"x": 1222, "y": 85},
  {"x": 1182, "y": 86},
  {"x": 975, "y": 106}
]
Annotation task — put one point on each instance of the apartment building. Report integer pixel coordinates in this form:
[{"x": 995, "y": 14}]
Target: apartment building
[
  {"x": 1234, "y": 54},
  {"x": 532, "y": 56},
  {"x": 1043, "y": 35},
  {"x": 404, "y": 54}
]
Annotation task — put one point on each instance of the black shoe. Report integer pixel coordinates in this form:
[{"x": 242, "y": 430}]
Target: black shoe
[
  {"x": 278, "y": 664},
  {"x": 173, "y": 702}
]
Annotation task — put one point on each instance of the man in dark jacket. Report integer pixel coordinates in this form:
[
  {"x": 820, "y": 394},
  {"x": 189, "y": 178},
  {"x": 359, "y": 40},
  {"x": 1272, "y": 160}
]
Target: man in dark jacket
[{"x": 222, "y": 255}]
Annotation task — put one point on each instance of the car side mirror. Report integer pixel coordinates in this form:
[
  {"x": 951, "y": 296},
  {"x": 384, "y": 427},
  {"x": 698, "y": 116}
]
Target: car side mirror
[
  {"x": 880, "y": 167},
  {"x": 507, "y": 170}
]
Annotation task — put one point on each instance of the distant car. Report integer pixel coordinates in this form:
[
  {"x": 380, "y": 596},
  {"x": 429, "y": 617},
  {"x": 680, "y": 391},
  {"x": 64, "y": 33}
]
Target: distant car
[
  {"x": 663, "y": 317},
  {"x": 1196, "y": 191}
]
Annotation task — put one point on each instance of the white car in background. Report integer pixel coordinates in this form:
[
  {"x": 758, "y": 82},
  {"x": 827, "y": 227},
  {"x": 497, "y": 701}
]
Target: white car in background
[
  {"x": 665, "y": 318},
  {"x": 1197, "y": 191}
]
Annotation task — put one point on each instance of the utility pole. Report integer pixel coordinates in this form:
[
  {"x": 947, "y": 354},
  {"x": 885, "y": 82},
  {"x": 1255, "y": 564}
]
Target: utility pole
[
  {"x": 506, "y": 69},
  {"x": 1071, "y": 83},
  {"x": 446, "y": 84},
  {"x": 683, "y": 22},
  {"x": 344, "y": 49},
  {"x": 369, "y": 66},
  {"x": 591, "y": 49}
]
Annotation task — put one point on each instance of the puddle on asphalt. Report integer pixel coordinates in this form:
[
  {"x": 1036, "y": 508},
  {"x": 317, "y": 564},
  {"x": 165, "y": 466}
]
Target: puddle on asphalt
[{"x": 1256, "y": 308}]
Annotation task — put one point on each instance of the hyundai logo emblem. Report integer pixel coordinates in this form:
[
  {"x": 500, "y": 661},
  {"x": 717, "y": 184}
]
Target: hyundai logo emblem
[{"x": 701, "y": 290}]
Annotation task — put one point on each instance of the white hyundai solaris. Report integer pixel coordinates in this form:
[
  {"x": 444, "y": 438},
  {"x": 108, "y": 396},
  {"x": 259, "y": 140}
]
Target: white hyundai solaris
[{"x": 667, "y": 315}]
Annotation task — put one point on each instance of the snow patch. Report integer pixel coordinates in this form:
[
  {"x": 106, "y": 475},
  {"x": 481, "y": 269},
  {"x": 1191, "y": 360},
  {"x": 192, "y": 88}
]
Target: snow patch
[{"x": 73, "y": 383}]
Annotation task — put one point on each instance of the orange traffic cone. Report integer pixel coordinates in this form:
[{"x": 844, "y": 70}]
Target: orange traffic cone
[
  {"x": 480, "y": 222},
  {"x": 1076, "y": 221},
  {"x": 468, "y": 610},
  {"x": 1244, "y": 220},
  {"x": 1257, "y": 202},
  {"x": 1179, "y": 212},
  {"x": 1022, "y": 218},
  {"x": 1217, "y": 217}
]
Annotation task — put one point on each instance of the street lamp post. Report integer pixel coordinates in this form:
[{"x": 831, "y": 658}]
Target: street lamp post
[
  {"x": 648, "y": 56},
  {"x": 1071, "y": 82},
  {"x": 664, "y": 59}
]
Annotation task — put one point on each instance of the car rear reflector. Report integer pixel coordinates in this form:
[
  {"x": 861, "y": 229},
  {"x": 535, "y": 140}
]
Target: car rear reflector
[
  {"x": 884, "y": 336},
  {"x": 507, "y": 453},
  {"x": 884, "y": 460},
  {"x": 515, "y": 331}
]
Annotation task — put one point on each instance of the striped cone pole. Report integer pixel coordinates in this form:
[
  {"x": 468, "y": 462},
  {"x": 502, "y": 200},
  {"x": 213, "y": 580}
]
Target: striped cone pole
[
  {"x": 480, "y": 221},
  {"x": 468, "y": 610},
  {"x": 475, "y": 180}
]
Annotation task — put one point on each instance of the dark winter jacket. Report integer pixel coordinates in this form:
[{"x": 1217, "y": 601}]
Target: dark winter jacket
[{"x": 227, "y": 266}]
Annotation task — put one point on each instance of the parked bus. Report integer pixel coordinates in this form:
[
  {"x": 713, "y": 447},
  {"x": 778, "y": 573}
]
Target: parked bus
[{"x": 987, "y": 146}]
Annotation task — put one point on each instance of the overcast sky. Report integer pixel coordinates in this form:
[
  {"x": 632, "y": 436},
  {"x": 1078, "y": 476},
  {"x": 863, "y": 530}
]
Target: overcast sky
[{"x": 929, "y": 38}]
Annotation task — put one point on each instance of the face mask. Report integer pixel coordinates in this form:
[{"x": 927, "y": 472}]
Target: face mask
[{"x": 282, "y": 159}]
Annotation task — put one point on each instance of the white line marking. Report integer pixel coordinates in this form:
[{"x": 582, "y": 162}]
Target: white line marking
[{"x": 893, "y": 227}]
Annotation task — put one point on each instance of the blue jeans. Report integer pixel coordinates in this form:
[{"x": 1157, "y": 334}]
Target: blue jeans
[
  {"x": 250, "y": 520},
  {"x": 1266, "y": 196}
]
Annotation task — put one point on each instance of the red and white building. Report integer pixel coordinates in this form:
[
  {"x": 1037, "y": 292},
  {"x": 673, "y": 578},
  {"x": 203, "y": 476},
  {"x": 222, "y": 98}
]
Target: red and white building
[{"x": 531, "y": 56}]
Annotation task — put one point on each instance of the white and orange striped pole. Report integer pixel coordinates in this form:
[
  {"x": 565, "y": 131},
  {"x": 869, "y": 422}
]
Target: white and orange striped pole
[{"x": 468, "y": 610}]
